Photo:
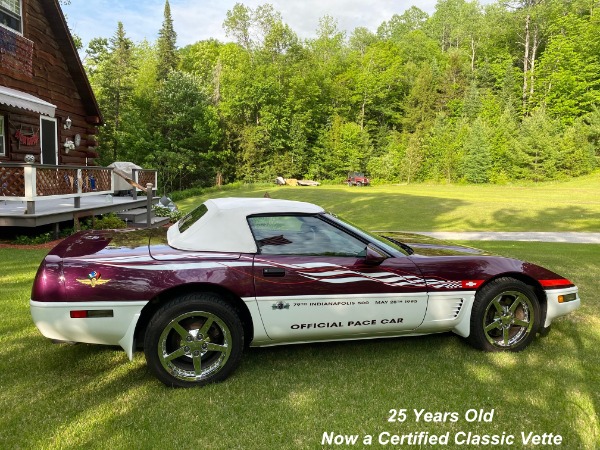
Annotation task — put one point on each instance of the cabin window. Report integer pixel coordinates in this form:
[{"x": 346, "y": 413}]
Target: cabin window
[
  {"x": 2, "y": 150},
  {"x": 10, "y": 14}
]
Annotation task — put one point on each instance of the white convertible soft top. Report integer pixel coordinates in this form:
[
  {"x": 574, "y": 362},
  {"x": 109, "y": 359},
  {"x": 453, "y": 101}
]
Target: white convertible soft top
[{"x": 224, "y": 228}]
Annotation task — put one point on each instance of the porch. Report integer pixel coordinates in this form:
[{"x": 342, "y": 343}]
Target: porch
[{"x": 33, "y": 195}]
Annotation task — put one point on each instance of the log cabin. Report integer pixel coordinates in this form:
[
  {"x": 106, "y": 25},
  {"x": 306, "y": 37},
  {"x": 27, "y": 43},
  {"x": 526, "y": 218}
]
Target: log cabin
[
  {"x": 48, "y": 112},
  {"x": 49, "y": 118}
]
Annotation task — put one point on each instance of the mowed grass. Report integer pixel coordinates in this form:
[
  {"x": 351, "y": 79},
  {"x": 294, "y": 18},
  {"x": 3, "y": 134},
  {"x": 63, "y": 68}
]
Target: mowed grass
[
  {"x": 559, "y": 206},
  {"x": 86, "y": 396}
]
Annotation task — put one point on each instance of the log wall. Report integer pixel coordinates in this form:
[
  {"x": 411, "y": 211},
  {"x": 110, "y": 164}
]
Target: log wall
[{"x": 48, "y": 75}]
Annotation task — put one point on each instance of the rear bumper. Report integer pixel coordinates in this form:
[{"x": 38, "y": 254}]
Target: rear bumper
[
  {"x": 54, "y": 321},
  {"x": 556, "y": 309}
]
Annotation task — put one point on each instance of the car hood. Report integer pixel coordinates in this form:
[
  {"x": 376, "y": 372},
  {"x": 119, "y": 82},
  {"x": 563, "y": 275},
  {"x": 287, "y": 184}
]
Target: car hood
[{"x": 428, "y": 246}]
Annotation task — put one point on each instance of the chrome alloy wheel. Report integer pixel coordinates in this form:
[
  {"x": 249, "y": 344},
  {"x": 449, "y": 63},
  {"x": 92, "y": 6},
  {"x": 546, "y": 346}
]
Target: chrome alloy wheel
[
  {"x": 194, "y": 346},
  {"x": 508, "y": 319}
]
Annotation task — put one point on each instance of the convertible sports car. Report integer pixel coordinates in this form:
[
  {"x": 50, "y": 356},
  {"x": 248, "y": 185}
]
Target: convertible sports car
[{"x": 239, "y": 272}]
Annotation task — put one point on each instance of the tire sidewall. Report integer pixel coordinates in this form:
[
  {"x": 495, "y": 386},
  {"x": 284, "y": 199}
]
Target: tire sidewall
[
  {"x": 484, "y": 297},
  {"x": 205, "y": 302}
]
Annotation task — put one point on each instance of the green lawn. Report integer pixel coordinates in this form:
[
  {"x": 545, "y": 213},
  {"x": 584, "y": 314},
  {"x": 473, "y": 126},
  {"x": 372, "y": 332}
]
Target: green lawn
[
  {"x": 567, "y": 206},
  {"x": 85, "y": 396}
]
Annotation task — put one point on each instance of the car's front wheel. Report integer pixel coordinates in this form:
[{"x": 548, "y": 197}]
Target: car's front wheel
[
  {"x": 194, "y": 340},
  {"x": 505, "y": 316}
]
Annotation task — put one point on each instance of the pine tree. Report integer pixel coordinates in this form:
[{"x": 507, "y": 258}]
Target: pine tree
[
  {"x": 166, "y": 45},
  {"x": 111, "y": 66},
  {"x": 477, "y": 157}
]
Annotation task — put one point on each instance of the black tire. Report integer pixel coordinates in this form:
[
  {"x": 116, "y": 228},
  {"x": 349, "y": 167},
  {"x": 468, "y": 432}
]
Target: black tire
[
  {"x": 506, "y": 316},
  {"x": 194, "y": 340},
  {"x": 359, "y": 183}
]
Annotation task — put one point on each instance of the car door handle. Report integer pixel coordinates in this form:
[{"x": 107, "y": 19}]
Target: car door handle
[{"x": 274, "y": 272}]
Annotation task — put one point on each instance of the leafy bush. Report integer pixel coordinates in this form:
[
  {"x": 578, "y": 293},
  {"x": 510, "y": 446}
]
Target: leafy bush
[
  {"x": 106, "y": 222},
  {"x": 161, "y": 211},
  {"x": 34, "y": 240}
]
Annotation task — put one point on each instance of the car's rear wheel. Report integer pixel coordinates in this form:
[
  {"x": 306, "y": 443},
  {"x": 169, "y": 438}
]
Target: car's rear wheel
[
  {"x": 359, "y": 183},
  {"x": 194, "y": 340},
  {"x": 505, "y": 316}
]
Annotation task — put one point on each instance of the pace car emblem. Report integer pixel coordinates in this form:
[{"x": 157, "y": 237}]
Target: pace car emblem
[
  {"x": 280, "y": 305},
  {"x": 94, "y": 278}
]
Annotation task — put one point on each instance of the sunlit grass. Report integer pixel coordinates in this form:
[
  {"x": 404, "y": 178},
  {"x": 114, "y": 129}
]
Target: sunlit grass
[
  {"x": 86, "y": 396},
  {"x": 568, "y": 206}
]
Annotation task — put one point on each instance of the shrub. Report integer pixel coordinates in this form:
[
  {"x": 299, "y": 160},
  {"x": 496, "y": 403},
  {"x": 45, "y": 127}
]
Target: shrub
[
  {"x": 106, "y": 222},
  {"x": 161, "y": 211}
]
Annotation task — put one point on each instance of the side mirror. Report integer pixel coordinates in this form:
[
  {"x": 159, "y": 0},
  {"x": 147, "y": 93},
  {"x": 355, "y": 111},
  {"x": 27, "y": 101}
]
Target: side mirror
[{"x": 374, "y": 256}]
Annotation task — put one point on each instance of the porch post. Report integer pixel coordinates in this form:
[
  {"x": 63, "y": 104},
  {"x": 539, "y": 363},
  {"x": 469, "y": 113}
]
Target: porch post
[
  {"x": 149, "y": 205},
  {"x": 29, "y": 175},
  {"x": 133, "y": 188}
]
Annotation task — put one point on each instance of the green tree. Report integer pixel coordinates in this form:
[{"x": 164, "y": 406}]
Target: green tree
[
  {"x": 167, "y": 45},
  {"x": 344, "y": 147},
  {"x": 111, "y": 67},
  {"x": 477, "y": 153},
  {"x": 536, "y": 153},
  {"x": 568, "y": 80},
  {"x": 399, "y": 26},
  {"x": 186, "y": 132},
  {"x": 575, "y": 152}
]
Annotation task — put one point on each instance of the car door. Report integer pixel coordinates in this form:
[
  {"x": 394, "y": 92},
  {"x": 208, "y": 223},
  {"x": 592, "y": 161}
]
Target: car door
[{"x": 315, "y": 280}]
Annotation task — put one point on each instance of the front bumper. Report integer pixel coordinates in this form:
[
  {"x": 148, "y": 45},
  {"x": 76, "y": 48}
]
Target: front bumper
[
  {"x": 556, "y": 309},
  {"x": 54, "y": 321}
]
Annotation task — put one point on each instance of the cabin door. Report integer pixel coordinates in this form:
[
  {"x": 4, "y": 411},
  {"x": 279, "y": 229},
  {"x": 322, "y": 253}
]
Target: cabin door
[{"x": 49, "y": 140}]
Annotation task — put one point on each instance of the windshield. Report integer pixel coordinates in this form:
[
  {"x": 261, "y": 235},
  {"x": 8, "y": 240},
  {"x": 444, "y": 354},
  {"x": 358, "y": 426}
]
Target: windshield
[{"x": 392, "y": 247}]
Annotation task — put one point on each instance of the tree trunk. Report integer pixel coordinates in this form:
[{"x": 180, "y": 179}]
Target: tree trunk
[
  {"x": 472, "y": 54},
  {"x": 117, "y": 120},
  {"x": 217, "y": 83},
  {"x": 534, "y": 48},
  {"x": 526, "y": 64}
]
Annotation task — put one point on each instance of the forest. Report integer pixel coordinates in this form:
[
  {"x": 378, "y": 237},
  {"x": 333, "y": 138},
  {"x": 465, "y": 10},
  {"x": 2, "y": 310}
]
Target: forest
[{"x": 472, "y": 93}]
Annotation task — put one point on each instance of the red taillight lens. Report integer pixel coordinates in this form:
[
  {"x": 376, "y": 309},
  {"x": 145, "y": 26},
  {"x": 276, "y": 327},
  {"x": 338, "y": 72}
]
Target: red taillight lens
[{"x": 84, "y": 314}]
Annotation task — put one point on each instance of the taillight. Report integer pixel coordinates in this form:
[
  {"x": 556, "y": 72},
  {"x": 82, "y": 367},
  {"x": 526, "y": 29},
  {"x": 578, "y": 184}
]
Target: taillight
[{"x": 88, "y": 313}]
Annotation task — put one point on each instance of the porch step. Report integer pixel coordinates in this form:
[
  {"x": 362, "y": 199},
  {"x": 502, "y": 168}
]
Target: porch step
[
  {"x": 134, "y": 215},
  {"x": 156, "y": 222}
]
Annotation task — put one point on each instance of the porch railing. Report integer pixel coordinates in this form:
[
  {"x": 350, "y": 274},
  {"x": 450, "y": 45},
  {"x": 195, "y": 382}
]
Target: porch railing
[
  {"x": 30, "y": 183},
  {"x": 142, "y": 177}
]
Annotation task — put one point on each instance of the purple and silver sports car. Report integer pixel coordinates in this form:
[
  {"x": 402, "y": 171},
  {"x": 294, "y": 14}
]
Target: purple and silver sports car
[{"x": 239, "y": 272}]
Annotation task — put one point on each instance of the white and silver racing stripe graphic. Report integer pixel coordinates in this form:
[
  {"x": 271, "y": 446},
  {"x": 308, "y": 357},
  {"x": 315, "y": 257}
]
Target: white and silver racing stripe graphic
[
  {"x": 343, "y": 275},
  {"x": 184, "y": 266},
  {"x": 148, "y": 258},
  {"x": 311, "y": 271}
]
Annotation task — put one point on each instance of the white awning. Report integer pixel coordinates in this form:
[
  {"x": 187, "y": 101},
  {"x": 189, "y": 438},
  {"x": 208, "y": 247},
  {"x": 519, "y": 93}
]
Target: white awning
[{"x": 23, "y": 100}]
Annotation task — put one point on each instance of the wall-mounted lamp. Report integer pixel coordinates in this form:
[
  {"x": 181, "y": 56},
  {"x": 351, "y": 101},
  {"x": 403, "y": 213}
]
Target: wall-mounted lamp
[
  {"x": 69, "y": 145},
  {"x": 67, "y": 124}
]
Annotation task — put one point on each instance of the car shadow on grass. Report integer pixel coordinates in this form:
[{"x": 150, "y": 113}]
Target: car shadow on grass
[{"x": 571, "y": 218}]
